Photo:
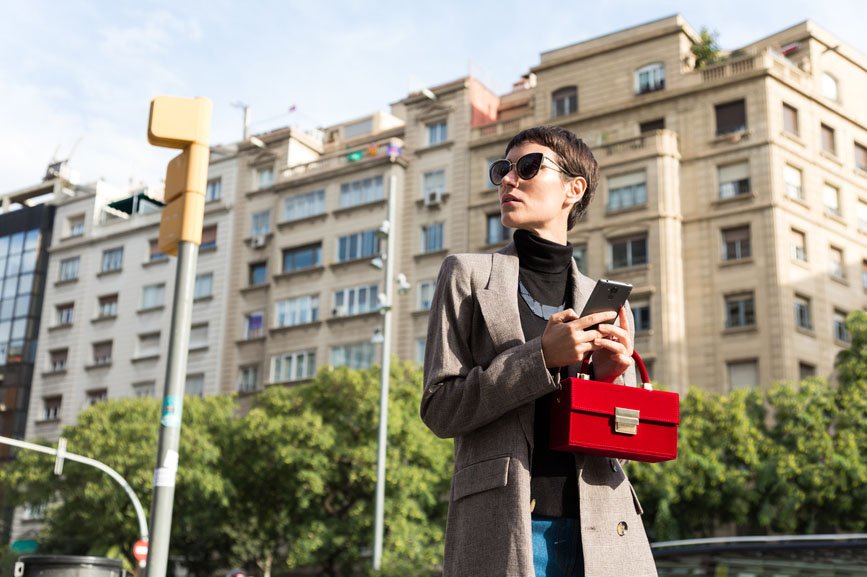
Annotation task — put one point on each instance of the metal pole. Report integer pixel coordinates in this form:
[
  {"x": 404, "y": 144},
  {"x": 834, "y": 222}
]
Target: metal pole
[
  {"x": 378, "y": 523},
  {"x": 139, "y": 510},
  {"x": 173, "y": 404}
]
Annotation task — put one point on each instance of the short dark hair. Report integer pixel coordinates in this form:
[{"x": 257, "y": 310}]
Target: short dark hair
[{"x": 575, "y": 158}]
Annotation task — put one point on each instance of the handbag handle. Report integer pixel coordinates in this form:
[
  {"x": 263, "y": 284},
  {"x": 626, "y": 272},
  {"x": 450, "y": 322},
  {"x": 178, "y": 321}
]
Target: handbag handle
[{"x": 642, "y": 370}]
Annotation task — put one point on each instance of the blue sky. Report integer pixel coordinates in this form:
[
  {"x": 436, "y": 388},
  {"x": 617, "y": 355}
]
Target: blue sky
[{"x": 86, "y": 70}]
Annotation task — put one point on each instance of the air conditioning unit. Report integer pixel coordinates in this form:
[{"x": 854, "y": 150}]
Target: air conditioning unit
[
  {"x": 258, "y": 241},
  {"x": 433, "y": 198},
  {"x": 339, "y": 311}
]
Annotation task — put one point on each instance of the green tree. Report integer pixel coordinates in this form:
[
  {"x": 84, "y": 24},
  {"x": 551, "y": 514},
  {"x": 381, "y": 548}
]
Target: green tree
[
  {"x": 89, "y": 514},
  {"x": 706, "y": 51},
  {"x": 303, "y": 463}
]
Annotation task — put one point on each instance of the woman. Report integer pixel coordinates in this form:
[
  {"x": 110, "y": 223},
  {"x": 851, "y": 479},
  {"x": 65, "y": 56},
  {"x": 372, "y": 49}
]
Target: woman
[{"x": 502, "y": 330}]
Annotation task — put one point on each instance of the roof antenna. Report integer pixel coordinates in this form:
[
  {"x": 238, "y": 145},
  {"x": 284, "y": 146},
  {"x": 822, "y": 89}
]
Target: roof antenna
[{"x": 246, "y": 108}]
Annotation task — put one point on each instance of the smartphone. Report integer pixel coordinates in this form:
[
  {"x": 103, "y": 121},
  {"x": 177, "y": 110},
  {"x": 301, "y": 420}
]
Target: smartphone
[{"x": 607, "y": 295}]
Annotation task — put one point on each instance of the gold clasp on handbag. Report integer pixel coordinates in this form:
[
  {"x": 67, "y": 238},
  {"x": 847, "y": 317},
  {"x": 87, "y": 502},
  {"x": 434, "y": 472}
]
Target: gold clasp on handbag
[{"x": 625, "y": 421}]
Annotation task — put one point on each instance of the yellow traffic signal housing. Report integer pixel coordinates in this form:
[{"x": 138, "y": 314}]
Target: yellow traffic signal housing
[{"x": 182, "y": 123}]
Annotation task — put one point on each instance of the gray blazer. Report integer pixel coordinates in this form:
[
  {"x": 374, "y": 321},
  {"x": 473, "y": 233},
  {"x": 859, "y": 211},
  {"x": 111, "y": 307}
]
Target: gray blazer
[{"x": 480, "y": 381}]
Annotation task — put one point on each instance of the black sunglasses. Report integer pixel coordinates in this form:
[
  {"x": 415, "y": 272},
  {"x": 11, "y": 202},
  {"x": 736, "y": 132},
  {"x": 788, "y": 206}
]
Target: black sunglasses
[{"x": 527, "y": 167}]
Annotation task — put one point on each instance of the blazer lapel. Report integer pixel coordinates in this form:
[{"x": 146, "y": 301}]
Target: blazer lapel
[{"x": 498, "y": 302}]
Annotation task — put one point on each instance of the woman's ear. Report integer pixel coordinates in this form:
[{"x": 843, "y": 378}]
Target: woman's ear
[{"x": 575, "y": 190}]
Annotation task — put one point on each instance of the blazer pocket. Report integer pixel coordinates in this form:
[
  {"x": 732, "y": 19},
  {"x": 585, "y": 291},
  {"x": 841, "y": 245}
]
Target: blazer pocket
[
  {"x": 481, "y": 476},
  {"x": 638, "y": 508}
]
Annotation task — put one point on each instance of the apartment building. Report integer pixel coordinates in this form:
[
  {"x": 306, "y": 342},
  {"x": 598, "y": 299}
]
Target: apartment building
[
  {"x": 304, "y": 291},
  {"x": 734, "y": 197},
  {"x": 108, "y": 300}
]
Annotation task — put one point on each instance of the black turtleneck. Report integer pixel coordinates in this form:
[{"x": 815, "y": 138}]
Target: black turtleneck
[{"x": 545, "y": 272}]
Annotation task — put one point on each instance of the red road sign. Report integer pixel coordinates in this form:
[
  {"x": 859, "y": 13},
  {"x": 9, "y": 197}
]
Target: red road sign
[{"x": 140, "y": 549}]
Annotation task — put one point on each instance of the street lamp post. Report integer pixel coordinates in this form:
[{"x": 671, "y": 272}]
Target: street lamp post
[{"x": 387, "y": 231}]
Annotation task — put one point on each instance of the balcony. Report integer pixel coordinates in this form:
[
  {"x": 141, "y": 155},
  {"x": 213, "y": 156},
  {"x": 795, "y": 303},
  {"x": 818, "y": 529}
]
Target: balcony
[
  {"x": 768, "y": 59},
  {"x": 656, "y": 143},
  {"x": 508, "y": 127},
  {"x": 388, "y": 148}
]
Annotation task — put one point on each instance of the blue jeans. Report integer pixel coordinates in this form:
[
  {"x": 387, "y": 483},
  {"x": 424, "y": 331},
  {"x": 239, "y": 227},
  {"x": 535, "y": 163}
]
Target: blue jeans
[{"x": 557, "y": 548}]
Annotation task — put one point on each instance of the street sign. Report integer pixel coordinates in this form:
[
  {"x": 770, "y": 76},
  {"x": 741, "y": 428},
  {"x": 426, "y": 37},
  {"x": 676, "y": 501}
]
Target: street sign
[{"x": 140, "y": 549}]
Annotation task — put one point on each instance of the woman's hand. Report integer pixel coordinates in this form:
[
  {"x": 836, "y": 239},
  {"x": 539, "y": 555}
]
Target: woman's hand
[
  {"x": 612, "y": 353},
  {"x": 565, "y": 342}
]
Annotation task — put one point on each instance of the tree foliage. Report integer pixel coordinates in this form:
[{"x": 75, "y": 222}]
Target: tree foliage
[
  {"x": 706, "y": 51},
  {"x": 786, "y": 460},
  {"x": 290, "y": 484}
]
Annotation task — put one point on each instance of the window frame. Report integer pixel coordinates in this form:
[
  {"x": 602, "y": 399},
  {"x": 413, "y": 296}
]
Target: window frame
[
  {"x": 655, "y": 84},
  {"x": 629, "y": 240},
  {"x": 740, "y": 310},
  {"x": 564, "y": 101}
]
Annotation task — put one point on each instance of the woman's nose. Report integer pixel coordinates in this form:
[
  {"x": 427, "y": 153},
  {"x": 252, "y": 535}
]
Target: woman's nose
[{"x": 511, "y": 177}]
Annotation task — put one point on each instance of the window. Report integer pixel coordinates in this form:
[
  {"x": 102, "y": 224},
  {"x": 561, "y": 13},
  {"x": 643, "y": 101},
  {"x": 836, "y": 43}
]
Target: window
[
  {"x": 107, "y": 306},
  {"x": 102, "y": 353},
  {"x": 790, "y": 119},
  {"x": 743, "y": 374},
  {"x": 155, "y": 252},
  {"x": 806, "y": 370},
  {"x": 258, "y": 273},
  {"x": 802, "y": 313},
  {"x": 69, "y": 268},
  {"x": 293, "y": 366},
  {"x": 213, "y": 191},
  {"x": 265, "y": 177},
  {"x": 828, "y": 143},
  {"x": 433, "y": 181},
  {"x": 297, "y": 311},
  {"x": 148, "y": 345},
  {"x": 248, "y": 378},
  {"x": 488, "y": 183},
  {"x": 354, "y": 356},
  {"x": 627, "y": 190},
  {"x": 302, "y": 257},
  {"x": 199, "y": 336},
  {"x": 425, "y": 293},
  {"x": 835, "y": 262},
  {"x": 356, "y": 300},
  {"x": 254, "y": 325},
  {"x": 195, "y": 385},
  {"x": 432, "y": 237},
  {"x": 204, "y": 286},
  {"x": 152, "y": 296},
  {"x": 64, "y": 315},
  {"x": 579, "y": 254},
  {"x": 829, "y": 87},
  {"x": 831, "y": 196},
  {"x": 564, "y": 101},
  {"x": 650, "y": 78},
  {"x": 861, "y": 215},
  {"x": 792, "y": 176},
  {"x": 112, "y": 259},
  {"x": 261, "y": 224},
  {"x": 57, "y": 360},
  {"x": 860, "y": 156},
  {"x": 740, "y": 310},
  {"x": 799, "y": 245},
  {"x": 144, "y": 390},
  {"x": 840, "y": 332},
  {"x": 51, "y": 407},
  {"x": 641, "y": 314},
  {"x": 497, "y": 231},
  {"x": 75, "y": 225},
  {"x": 736, "y": 243},
  {"x": 734, "y": 180},
  {"x": 731, "y": 117},
  {"x": 420, "y": 346},
  {"x": 627, "y": 252},
  {"x": 304, "y": 205},
  {"x": 652, "y": 125},
  {"x": 361, "y": 191},
  {"x": 209, "y": 237},
  {"x": 437, "y": 132},
  {"x": 358, "y": 128},
  {"x": 358, "y": 245}
]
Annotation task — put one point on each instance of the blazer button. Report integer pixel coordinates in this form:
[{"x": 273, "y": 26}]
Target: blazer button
[{"x": 622, "y": 527}]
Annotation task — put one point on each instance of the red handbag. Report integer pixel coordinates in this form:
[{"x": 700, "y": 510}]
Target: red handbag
[{"x": 635, "y": 423}]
